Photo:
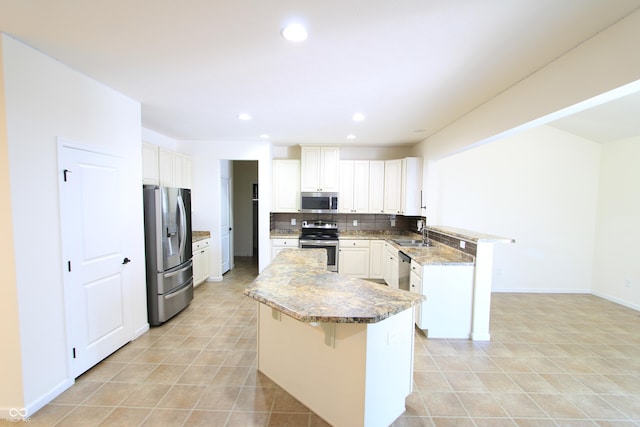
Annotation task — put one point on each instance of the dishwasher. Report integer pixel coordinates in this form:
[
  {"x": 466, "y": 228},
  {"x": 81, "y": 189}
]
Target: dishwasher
[{"x": 404, "y": 271}]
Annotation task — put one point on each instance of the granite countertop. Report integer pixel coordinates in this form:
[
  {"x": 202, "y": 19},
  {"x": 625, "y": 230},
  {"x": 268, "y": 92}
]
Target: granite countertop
[
  {"x": 199, "y": 235},
  {"x": 298, "y": 284},
  {"x": 471, "y": 236},
  {"x": 437, "y": 254}
]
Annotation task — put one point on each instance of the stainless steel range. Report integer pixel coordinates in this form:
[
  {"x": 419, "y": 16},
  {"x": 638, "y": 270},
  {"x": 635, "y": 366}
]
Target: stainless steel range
[{"x": 321, "y": 234}]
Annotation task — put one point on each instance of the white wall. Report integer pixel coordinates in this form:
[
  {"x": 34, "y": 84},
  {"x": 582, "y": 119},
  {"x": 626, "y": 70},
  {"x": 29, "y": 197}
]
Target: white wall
[
  {"x": 616, "y": 271},
  {"x": 206, "y": 190},
  {"x": 44, "y": 100},
  {"x": 540, "y": 188}
]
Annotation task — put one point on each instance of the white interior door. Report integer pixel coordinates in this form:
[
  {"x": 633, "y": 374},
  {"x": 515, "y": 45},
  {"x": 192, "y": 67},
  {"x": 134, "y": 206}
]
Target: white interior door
[
  {"x": 97, "y": 300},
  {"x": 225, "y": 224}
]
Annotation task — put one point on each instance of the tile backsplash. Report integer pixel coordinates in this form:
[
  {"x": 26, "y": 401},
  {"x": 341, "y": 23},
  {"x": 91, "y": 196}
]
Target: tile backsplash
[{"x": 281, "y": 222}]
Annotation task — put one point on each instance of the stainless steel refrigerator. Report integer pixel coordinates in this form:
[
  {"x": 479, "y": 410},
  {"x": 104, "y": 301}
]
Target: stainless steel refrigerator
[{"x": 167, "y": 224}]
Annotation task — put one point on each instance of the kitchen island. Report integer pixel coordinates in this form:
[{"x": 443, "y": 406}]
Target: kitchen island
[{"x": 341, "y": 346}]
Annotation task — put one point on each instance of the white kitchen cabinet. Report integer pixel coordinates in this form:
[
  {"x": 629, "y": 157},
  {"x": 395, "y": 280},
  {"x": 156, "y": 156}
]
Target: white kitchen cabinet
[
  {"x": 415, "y": 285},
  {"x": 376, "y": 186},
  {"x": 411, "y": 186},
  {"x": 392, "y": 186},
  {"x": 183, "y": 170},
  {"x": 174, "y": 169},
  {"x": 201, "y": 261},
  {"x": 319, "y": 169},
  {"x": 354, "y": 186},
  {"x": 376, "y": 259},
  {"x": 150, "y": 171},
  {"x": 354, "y": 258},
  {"x": 402, "y": 186},
  {"x": 286, "y": 185},
  {"x": 391, "y": 266},
  {"x": 279, "y": 244},
  {"x": 447, "y": 311}
]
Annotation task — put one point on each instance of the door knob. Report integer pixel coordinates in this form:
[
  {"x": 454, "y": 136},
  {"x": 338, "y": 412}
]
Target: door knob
[{"x": 126, "y": 261}]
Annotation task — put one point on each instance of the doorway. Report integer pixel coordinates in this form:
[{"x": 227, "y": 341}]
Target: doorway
[{"x": 245, "y": 209}]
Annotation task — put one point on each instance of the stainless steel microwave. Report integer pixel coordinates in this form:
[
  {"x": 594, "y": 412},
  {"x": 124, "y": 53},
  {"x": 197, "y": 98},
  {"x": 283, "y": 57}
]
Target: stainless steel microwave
[{"x": 318, "y": 202}]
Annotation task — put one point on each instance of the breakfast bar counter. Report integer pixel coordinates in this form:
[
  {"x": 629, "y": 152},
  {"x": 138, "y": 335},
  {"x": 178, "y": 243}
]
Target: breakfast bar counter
[{"x": 341, "y": 346}]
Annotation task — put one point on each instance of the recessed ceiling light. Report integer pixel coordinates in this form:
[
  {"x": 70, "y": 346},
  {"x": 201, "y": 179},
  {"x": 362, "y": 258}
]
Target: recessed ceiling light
[
  {"x": 358, "y": 117},
  {"x": 351, "y": 136},
  {"x": 244, "y": 116},
  {"x": 294, "y": 33},
  {"x": 264, "y": 136}
]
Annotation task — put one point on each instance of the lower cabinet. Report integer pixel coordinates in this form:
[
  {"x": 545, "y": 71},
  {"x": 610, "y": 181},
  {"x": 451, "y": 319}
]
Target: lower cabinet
[
  {"x": 376, "y": 259},
  {"x": 353, "y": 260},
  {"x": 201, "y": 261},
  {"x": 448, "y": 309},
  {"x": 279, "y": 244},
  {"x": 391, "y": 266}
]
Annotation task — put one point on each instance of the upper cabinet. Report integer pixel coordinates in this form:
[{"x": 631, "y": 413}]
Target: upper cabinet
[
  {"x": 165, "y": 167},
  {"x": 286, "y": 185},
  {"x": 376, "y": 186},
  {"x": 354, "y": 186},
  {"x": 403, "y": 186},
  {"x": 175, "y": 169},
  {"x": 320, "y": 169},
  {"x": 150, "y": 170}
]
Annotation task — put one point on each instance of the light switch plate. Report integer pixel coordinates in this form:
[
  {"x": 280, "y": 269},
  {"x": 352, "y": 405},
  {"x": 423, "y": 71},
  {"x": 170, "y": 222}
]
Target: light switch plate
[
  {"x": 293, "y": 221},
  {"x": 355, "y": 222}
]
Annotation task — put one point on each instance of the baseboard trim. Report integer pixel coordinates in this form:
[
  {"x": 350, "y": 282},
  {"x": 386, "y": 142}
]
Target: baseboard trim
[
  {"x": 140, "y": 331},
  {"x": 23, "y": 414},
  {"x": 571, "y": 291}
]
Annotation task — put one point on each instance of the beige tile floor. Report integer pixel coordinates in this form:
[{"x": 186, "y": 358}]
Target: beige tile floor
[{"x": 553, "y": 360}]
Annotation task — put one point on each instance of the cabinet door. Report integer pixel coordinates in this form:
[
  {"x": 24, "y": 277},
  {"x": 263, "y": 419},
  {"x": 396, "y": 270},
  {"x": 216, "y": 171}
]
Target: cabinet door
[
  {"x": 361, "y": 186},
  {"x": 185, "y": 176},
  {"x": 150, "y": 171},
  {"x": 206, "y": 263},
  {"x": 376, "y": 259},
  {"x": 376, "y": 186},
  {"x": 391, "y": 267},
  {"x": 411, "y": 186},
  {"x": 329, "y": 168},
  {"x": 310, "y": 169},
  {"x": 286, "y": 185},
  {"x": 197, "y": 265},
  {"x": 416, "y": 287},
  {"x": 166, "y": 167},
  {"x": 392, "y": 186},
  {"x": 354, "y": 262},
  {"x": 345, "y": 201}
]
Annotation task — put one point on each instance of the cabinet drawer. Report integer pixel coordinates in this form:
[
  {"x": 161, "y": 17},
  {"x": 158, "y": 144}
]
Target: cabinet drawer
[
  {"x": 354, "y": 244},
  {"x": 200, "y": 244},
  {"x": 416, "y": 268},
  {"x": 287, "y": 243}
]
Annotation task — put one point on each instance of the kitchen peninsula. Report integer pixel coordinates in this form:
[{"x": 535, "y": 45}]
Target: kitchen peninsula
[{"x": 341, "y": 346}]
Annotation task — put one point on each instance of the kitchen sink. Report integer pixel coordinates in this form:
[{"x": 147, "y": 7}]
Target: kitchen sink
[{"x": 413, "y": 243}]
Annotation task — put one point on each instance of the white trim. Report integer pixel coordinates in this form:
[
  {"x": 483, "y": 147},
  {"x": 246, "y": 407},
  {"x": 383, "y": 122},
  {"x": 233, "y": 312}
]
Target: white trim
[
  {"x": 140, "y": 331},
  {"x": 542, "y": 291},
  {"x": 616, "y": 300},
  {"x": 15, "y": 414}
]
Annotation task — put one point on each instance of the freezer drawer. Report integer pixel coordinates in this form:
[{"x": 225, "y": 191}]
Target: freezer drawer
[{"x": 172, "y": 303}]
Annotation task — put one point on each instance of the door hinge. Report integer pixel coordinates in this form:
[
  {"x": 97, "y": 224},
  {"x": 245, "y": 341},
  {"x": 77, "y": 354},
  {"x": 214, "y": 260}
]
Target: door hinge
[
  {"x": 65, "y": 172},
  {"x": 74, "y": 352}
]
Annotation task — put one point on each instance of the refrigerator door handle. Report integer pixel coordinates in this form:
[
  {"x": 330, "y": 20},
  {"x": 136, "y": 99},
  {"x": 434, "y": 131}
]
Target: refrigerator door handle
[
  {"x": 173, "y": 273},
  {"x": 183, "y": 225}
]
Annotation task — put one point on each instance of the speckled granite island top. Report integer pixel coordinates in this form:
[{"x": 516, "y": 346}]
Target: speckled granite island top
[{"x": 298, "y": 284}]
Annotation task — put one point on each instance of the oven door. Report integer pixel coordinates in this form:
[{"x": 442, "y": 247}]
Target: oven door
[{"x": 330, "y": 245}]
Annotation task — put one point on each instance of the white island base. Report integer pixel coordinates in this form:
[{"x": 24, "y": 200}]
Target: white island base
[{"x": 349, "y": 374}]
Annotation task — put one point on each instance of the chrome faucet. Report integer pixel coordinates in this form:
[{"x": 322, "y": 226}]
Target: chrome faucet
[{"x": 425, "y": 232}]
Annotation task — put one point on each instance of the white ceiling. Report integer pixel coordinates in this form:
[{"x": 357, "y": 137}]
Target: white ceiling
[{"x": 411, "y": 66}]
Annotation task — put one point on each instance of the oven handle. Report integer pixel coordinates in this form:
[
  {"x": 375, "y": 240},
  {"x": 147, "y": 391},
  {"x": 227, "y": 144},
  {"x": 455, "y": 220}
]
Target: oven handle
[{"x": 318, "y": 243}]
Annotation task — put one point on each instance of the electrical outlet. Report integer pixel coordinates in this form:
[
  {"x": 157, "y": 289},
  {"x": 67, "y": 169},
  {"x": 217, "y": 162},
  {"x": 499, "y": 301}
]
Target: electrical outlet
[
  {"x": 355, "y": 222},
  {"x": 293, "y": 221},
  {"x": 462, "y": 244}
]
